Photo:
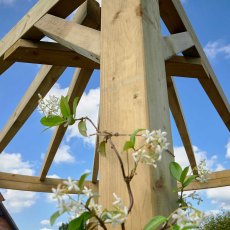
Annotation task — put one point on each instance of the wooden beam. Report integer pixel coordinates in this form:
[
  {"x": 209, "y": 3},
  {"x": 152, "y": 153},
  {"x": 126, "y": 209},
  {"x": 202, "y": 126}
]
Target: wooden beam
[
  {"x": 77, "y": 87},
  {"x": 185, "y": 67},
  {"x": 81, "y": 39},
  {"x": 96, "y": 157},
  {"x": 176, "y": 20},
  {"x": 78, "y": 84},
  {"x": 42, "y": 83},
  {"x": 134, "y": 95},
  {"x": 180, "y": 122},
  {"x": 33, "y": 183},
  {"x": 24, "y": 28},
  {"x": 48, "y": 53},
  {"x": 176, "y": 43},
  {"x": 215, "y": 180}
]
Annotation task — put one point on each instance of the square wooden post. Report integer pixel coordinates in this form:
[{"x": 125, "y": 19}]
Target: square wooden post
[{"x": 134, "y": 95}]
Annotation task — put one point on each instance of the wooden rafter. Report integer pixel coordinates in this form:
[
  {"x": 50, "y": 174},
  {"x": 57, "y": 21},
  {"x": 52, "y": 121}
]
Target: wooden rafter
[
  {"x": 81, "y": 39},
  {"x": 215, "y": 180},
  {"x": 176, "y": 43},
  {"x": 42, "y": 83},
  {"x": 185, "y": 67},
  {"x": 48, "y": 53},
  {"x": 25, "y": 27},
  {"x": 33, "y": 183},
  {"x": 177, "y": 112},
  {"x": 77, "y": 87},
  {"x": 176, "y": 20}
]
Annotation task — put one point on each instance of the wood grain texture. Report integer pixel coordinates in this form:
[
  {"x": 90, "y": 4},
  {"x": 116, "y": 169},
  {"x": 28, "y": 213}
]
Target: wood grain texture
[
  {"x": 48, "y": 53},
  {"x": 176, "y": 20},
  {"x": 81, "y": 39},
  {"x": 215, "y": 180},
  {"x": 180, "y": 122},
  {"x": 134, "y": 95},
  {"x": 42, "y": 83},
  {"x": 77, "y": 86},
  {"x": 33, "y": 183},
  {"x": 181, "y": 66},
  {"x": 24, "y": 28},
  {"x": 176, "y": 43}
]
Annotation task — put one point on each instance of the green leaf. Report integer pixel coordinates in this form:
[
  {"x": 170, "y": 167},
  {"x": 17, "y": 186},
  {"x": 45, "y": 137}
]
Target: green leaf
[
  {"x": 175, "y": 170},
  {"x": 128, "y": 145},
  {"x": 184, "y": 174},
  {"x": 190, "y": 227},
  {"x": 175, "y": 227},
  {"x": 82, "y": 180},
  {"x": 75, "y": 103},
  {"x": 133, "y": 136},
  {"x": 54, "y": 217},
  {"x": 80, "y": 222},
  {"x": 52, "y": 121},
  {"x": 155, "y": 222},
  {"x": 82, "y": 128},
  {"x": 102, "y": 149},
  {"x": 189, "y": 180},
  {"x": 70, "y": 120},
  {"x": 64, "y": 106}
]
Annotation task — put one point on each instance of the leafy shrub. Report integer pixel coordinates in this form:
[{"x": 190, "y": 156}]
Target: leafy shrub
[{"x": 217, "y": 222}]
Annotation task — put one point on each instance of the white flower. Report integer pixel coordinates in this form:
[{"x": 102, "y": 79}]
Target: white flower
[
  {"x": 58, "y": 192},
  {"x": 50, "y": 107},
  {"x": 119, "y": 214},
  {"x": 71, "y": 185},
  {"x": 96, "y": 207},
  {"x": 187, "y": 218},
  {"x": 117, "y": 201},
  {"x": 148, "y": 136},
  {"x": 87, "y": 192},
  {"x": 203, "y": 172}
]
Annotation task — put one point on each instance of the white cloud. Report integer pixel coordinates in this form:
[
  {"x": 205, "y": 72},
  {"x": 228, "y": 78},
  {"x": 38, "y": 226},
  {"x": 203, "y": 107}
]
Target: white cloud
[
  {"x": 88, "y": 106},
  {"x": 63, "y": 155},
  {"x": 45, "y": 229},
  {"x": 13, "y": 163},
  {"x": 16, "y": 201},
  {"x": 45, "y": 222},
  {"x": 228, "y": 150},
  {"x": 182, "y": 159},
  {"x": 7, "y": 2},
  {"x": 220, "y": 197},
  {"x": 212, "y": 49}
]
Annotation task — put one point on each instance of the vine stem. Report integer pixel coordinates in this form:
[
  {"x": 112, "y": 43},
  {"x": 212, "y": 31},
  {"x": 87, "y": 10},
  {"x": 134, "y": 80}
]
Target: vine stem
[{"x": 127, "y": 179}]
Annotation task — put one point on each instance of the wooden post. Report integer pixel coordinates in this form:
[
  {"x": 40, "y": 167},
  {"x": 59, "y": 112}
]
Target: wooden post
[{"x": 134, "y": 95}]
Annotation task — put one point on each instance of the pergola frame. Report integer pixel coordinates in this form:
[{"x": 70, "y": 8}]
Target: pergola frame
[{"x": 80, "y": 44}]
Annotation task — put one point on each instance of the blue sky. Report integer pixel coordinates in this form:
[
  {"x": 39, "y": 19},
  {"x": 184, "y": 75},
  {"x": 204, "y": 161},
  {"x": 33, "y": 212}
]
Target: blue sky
[{"x": 25, "y": 153}]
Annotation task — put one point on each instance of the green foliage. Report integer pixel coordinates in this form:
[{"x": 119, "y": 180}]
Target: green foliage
[
  {"x": 155, "y": 223},
  {"x": 82, "y": 128},
  {"x": 102, "y": 148},
  {"x": 80, "y": 222},
  {"x": 64, "y": 227},
  {"x": 65, "y": 108},
  {"x": 175, "y": 170},
  {"x": 75, "y": 103},
  {"x": 131, "y": 143},
  {"x": 82, "y": 180},
  {"x": 52, "y": 121},
  {"x": 54, "y": 217},
  {"x": 181, "y": 175},
  {"x": 217, "y": 222}
]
